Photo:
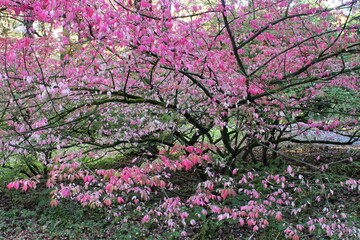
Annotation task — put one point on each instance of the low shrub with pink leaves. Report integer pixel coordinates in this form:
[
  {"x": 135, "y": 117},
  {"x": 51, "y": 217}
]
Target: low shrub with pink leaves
[{"x": 171, "y": 192}]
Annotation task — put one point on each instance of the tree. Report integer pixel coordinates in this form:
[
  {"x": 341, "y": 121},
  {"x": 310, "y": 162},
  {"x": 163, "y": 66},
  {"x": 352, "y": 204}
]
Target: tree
[{"x": 191, "y": 81}]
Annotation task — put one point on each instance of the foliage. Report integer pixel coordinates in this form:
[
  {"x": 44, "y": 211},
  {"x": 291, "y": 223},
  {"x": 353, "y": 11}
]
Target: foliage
[
  {"x": 134, "y": 77},
  {"x": 175, "y": 91},
  {"x": 294, "y": 201}
]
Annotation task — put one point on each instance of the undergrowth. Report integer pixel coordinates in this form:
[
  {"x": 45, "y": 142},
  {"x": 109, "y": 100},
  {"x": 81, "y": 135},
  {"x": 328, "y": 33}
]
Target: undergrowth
[{"x": 276, "y": 202}]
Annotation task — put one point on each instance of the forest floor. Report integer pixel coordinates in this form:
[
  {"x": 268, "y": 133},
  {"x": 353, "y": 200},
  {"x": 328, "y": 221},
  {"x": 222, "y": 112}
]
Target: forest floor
[{"x": 29, "y": 216}]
